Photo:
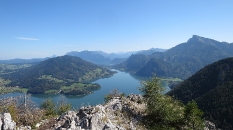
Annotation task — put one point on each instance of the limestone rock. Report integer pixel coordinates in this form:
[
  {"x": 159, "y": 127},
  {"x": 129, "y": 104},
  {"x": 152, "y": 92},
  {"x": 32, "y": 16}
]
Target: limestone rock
[
  {"x": 24, "y": 128},
  {"x": 135, "y": 97},
  {"x": 100, "y": 117},
  {"x": 9, "y": 124},
  {"x": 210, "y": 126},
  {"x": 0, "y": 122}
]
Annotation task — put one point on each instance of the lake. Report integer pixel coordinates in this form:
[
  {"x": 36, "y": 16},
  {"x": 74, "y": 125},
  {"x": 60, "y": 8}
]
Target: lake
[{"x": 122, "y": 81}]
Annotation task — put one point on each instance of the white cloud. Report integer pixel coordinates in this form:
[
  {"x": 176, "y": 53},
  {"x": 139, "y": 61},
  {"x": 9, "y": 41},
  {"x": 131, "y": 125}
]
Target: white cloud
[{"x": 27, "y": 38}]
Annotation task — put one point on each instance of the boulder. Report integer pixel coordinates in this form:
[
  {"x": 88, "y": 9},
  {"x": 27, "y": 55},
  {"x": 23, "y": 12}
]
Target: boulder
[
  {"x": 9, "y": 124},
  {"x": 210, "y": 126},
  {"x": 0, "y": 122},
  {"x": 24, "y": 128},
  {"x": 99, "y": 117},
  {"x": 135, "y": 98}
]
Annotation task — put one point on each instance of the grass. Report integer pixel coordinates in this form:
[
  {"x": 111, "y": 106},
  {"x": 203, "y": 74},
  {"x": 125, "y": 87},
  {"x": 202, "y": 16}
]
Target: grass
[
  {"x": 51, "y": 91},
  {"x": 171, "y": 79},
  {"x": 10, "y": 68},
  {"x": 95, "y": 74},
  {"x": 79, "y": 86},
  {"x": 4, "y": 90},
  {"x": 4, "y": 82},
  {"x": 49, "y": 77}
]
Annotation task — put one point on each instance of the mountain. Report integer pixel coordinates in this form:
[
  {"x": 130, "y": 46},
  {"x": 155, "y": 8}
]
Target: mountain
[
  {"x": 184, "y": 59},
  {"x": 159, "y": 66},
  {"x": 117, "y": 61},
  {"x": 22, "y": 61},
  {"x": 212, "y": 89},
  {"x": 91, "y": 56},
  {"x": 57, "y": 73},
  {"x": 151, "y": 51},
  {"x": 133, "y": 63},
  {"x": 102, "y": 58}
]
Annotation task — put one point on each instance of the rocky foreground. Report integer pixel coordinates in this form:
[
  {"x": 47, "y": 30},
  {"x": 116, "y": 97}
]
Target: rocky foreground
[{"x": 119, "y": 113}]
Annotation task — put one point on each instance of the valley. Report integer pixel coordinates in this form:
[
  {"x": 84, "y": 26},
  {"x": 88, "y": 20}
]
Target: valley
[{"x": 199, "y": 69}]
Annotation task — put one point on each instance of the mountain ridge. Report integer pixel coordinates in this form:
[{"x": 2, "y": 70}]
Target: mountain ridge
[
  {"x": 184, "y": 59},
  {"x": 212, "y": 89}
]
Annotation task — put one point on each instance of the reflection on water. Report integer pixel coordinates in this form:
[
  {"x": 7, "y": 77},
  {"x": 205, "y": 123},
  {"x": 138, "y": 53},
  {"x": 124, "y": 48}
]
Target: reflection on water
[{"x": 122, "y": 81}]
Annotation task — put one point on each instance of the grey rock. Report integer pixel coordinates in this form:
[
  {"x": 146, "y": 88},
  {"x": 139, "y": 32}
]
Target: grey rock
[
  {"x": 24, "y": 128},
  {"x": 135, "y": 98},
  {"x": 109, "y": 126},
  {"x": 67, "y": 120},
  {"x": 0, "y": 122},
  {"x": 117, "y": 106},
  {"x": 210, "y": 126},
  {"x": 99, "y": 117},
  {"x": 9, "y": 124}
]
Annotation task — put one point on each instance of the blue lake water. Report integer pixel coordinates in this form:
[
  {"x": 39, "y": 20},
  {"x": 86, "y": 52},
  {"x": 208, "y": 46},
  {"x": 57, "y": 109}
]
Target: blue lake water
[{"x": 122, "y": 81}]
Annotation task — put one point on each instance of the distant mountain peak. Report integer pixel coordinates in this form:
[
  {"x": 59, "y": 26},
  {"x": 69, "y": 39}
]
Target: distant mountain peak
[
  {"x": 197, "y": 38},
  {"x": 200, "y": 39}
]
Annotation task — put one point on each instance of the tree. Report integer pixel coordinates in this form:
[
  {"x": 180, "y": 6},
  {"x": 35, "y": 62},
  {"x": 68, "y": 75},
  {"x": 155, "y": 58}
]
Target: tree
[
  {"x": 49, "y": 106},
  {"x": 193, "y": 116},
  {"x": 63, "y": 106},
  {"x": 164, "y": 112}
]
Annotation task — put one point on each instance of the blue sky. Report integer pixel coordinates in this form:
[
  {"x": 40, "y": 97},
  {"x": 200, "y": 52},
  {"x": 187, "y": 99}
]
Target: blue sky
[{"x": 42, "y": 28}]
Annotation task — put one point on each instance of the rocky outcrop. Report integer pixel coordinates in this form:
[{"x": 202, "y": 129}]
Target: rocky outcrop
[
  {"x": 210, "y": 126},
  {"x": 119, "y": 113},
  {"x": 112, "y": 116},
  {"x": 0, "y": 122},
  {"x": 6, "y": 122},
  {"x": 24, "y": 128}
]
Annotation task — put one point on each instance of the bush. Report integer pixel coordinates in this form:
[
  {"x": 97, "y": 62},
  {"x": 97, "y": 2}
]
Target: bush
[
  {"x": 164, "y": 112},
  {"x": 22, "y": 109},
  {"x": 114, "y": 93},
  {"x": 63, "y": 106},
  {"x": 49, "y": 106},
  {"x": 51, "y": 109}
]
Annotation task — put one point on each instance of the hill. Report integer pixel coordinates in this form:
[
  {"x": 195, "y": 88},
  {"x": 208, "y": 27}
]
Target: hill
[
  {"x": 91, "y": 56},
  {"x": 22, "y": 61},
  {"x": 182, "y": 60},
  {"x": 151, "y": 51},
  {"x": 62, "y": 74},
  {"x": 102, "y": 58},
  {"x": 134, "y": 63},
  {"x": 212, "y": 89}
]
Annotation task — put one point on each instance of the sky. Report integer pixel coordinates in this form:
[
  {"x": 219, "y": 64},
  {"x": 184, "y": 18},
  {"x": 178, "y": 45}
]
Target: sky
[{"x": 43, "y": 28}]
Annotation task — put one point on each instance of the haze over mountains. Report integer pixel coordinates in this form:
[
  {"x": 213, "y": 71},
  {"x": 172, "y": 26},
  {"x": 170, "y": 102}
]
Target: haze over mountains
[
  {"x": 210, "y": 87},
  {"x": 180, "y": 61},
  {"x": 99, "y": 57}
]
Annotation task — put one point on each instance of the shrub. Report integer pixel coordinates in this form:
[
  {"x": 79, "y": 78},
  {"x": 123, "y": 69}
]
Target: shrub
[
  {"x": 49, "y": 106},
  {"x": 164, "y": 112},
  {"x": 63, "y": 106}
]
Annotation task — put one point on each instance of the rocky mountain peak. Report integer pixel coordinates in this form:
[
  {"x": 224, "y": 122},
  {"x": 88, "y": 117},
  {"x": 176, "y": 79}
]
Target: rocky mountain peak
[{"x": 197, "y": 38}]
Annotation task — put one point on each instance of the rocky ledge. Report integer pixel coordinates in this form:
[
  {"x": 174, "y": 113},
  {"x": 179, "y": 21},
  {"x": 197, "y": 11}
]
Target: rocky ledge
[
  {"x": 117, "y": 114},
  {"x": 120, "y": 113}
]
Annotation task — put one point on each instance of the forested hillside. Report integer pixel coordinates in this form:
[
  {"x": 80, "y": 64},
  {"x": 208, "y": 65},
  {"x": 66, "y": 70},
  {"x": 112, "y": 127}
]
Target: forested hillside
[
  {"x": 55, "y": 73},
  {"x": 180, "y": 61},
  {"x": 212, "y": 89},
  {"x": 133, "y": 63}
]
